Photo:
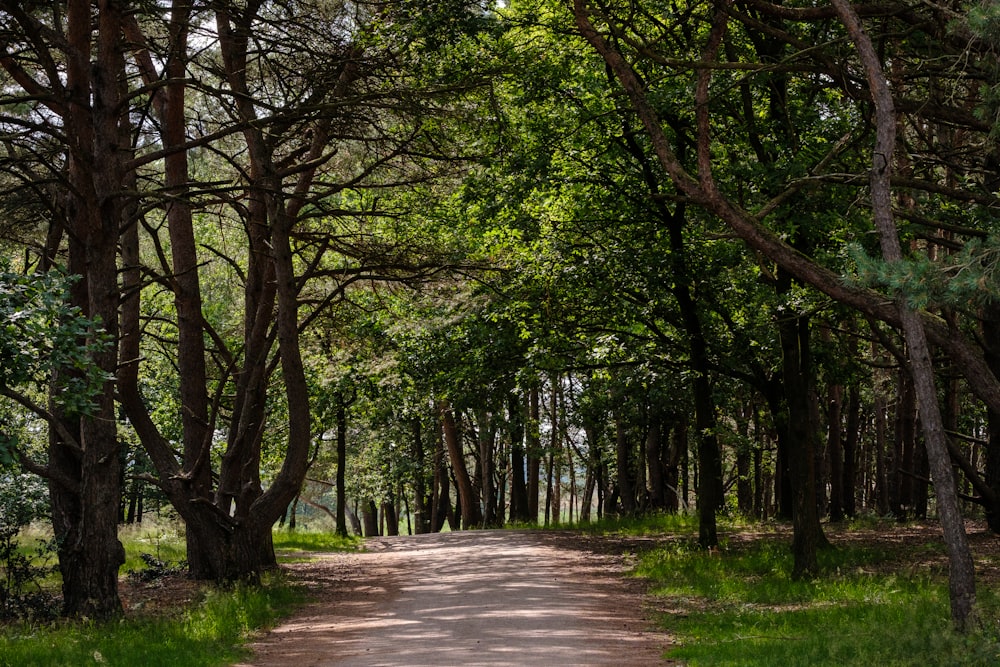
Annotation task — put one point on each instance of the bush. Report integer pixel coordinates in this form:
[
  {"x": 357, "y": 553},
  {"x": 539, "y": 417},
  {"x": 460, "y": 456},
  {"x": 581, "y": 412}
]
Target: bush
[{"x": 22, "y": 568}]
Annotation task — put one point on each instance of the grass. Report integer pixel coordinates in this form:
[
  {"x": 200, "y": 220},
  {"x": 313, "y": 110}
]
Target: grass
[
  {"x": 739, "y": 606},
  {"x": 163, "y": 540},
  {"x": 211, "y": 633}
]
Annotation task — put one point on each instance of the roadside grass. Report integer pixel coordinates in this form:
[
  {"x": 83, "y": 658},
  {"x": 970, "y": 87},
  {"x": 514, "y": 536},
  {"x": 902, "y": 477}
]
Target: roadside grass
[
  {"x": 739, "y": 606},
  {"x": 211, "y": 631}
]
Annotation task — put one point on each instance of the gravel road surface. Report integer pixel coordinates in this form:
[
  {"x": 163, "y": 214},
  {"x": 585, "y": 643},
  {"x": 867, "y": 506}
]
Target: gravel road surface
[{"x": 499, "y": 598}]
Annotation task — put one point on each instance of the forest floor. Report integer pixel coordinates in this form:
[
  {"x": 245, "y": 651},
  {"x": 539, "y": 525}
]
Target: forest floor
[{"x": 475, "y": 598}]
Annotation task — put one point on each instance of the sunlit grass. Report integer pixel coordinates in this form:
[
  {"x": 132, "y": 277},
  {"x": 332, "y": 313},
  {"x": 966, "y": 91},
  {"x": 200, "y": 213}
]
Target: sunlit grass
[
  {"x": 739, "y": 606},
  {"x": 290, "y": 542}
]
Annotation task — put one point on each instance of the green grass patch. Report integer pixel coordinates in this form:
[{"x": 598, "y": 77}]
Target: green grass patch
[
  {"x": 210, "y": 633},
  {"x": 739, "y": 606},
  {"x": 308, "y": 540}
]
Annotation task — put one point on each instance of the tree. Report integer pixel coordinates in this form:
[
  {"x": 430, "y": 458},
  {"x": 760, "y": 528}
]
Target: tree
[{"x": 962, "y": 571}]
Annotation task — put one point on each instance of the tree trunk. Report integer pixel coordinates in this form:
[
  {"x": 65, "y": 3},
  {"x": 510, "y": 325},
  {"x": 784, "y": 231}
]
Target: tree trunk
[
  {"x": 441, "y": 495},
  {"x": 518, "y": 482},
  {"x": 990, "y": 326},
  {"x": 85, "y": 485},
  {"x": 882, "y": 464},
  {"x": 623, "y": 460},
  {"x": 654, "y": 461},
  {"x": 369, "y": 518},
  {"x": 801, "y": 437},
  {"x": 851, "y": 437},
  {"x": 901, "y": 489},
  {"x": 341, "y": 468},
  {"x": 534, "y": 446},
  {"x": 420, "y": 509},
  {"x": 471, "y": 516},
  {"x": 676, "y": 496},
  {"x": 487, "y": 442},
  {"x": 962, "y": 582},
  {"x": 835, "y": 450}
]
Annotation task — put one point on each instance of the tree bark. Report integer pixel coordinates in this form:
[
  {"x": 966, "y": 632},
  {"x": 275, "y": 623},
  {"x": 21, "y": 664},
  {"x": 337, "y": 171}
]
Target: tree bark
[
  {"x": 835, "y": 450},
  {"x": 800, "y": 436},
  {"x": 421, "y": 510}
]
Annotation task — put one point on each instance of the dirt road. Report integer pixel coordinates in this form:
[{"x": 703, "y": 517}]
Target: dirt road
[{"x": 498, "y": 598}]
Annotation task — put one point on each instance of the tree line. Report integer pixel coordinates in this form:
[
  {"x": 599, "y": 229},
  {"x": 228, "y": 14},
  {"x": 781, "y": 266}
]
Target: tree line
[{"x": 471, "y": 265}]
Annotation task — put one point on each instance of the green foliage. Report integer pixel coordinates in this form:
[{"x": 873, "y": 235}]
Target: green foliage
[
  {"x": 970, "y": 277},
  {"x": 983, "y": 21},
  {"x": 739, "y": 606},
  {"x": 43, "y": 337}
]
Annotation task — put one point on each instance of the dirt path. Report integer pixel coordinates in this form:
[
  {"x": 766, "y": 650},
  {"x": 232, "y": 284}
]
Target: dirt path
[{"x": 477, "y": 598}]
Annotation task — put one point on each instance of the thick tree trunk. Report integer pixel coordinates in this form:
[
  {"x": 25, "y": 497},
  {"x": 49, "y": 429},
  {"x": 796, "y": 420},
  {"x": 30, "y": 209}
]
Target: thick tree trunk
[
  {"x": 369, "y": 518},
  {"x": 85, "y": 486}
]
